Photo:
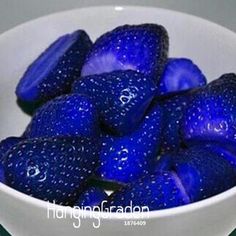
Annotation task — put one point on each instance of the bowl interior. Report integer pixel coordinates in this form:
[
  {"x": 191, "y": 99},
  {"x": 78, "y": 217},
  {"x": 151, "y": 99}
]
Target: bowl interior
[{"x": 211, "y": 46}]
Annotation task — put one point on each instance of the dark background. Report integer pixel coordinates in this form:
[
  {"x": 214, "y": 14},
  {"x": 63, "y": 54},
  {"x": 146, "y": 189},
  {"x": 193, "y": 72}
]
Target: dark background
[{"x": 3, "y": 232}]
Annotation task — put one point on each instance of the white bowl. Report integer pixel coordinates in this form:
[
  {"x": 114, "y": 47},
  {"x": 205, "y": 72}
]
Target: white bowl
[{"x": 211, "y": 46}]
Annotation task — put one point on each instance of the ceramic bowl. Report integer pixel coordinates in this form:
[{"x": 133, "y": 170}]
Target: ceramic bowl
[{"x": 211, "y": 46}]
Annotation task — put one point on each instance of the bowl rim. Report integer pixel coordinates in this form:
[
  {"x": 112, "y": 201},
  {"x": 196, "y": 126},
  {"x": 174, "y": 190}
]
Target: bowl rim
[
  {"x": 116, "y": 216},
  {"x": 173, "y": 212}
]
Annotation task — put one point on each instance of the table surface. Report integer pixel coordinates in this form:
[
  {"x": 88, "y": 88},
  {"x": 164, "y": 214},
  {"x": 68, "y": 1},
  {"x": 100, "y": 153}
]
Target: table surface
[{"x": 15, "y": 12}]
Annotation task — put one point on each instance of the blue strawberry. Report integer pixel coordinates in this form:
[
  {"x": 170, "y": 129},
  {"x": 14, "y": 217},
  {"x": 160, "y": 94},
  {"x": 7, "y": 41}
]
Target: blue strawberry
[
  {"x": 153, "y": 192},
  {"x": 164, "y": 162},
  {"x": 6, "y": 144},
  {"x": 228, "y": 153},
  {"x": 211, "y": 113},
  {"x": 143, "y": 48},
  {"x": 124, "y": 159},
  {"x": 180, "y": 74},
  {"x": 53, "y": 169},
  {"x": 91, "y": 197},
  {"x": 2, "y": 173},
  {"x": 29, "y": 108},
  {"x": 121, "y": 97},
  {"x": 173, "y": 109},
  {"x": 67, "y": 115},
  {"x": 203, "y": 173},
  {"x": 53, "y": 72},
  {"x": 227, "y": 80}
]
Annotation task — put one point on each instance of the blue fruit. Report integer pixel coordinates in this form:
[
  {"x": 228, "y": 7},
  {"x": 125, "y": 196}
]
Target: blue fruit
[
  {"x": 173, "y": 109},
  {"x": 211, "y": 114},
  {"x": 51, "y": 169},
  {"x": 53, "y": 72},
  {"x": 67, "y": 115},
  {"x": 143, "y": 48},
  {"x": 180, "y": 74},
  {"x": 91, "y": 197},
  {"x": 227, "y": 153},
  {"x": 121, "y": 97},
  {"x": 157, "y": 191},
  {"x": 2, "y": 174},
  {"x": 6, "y": 144},
  {"x": 125, "y": 159},
  {"x": 203, "y": 173},
  {"x": 227, "y": 80},
  {"x": 164, "y": 163}
]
